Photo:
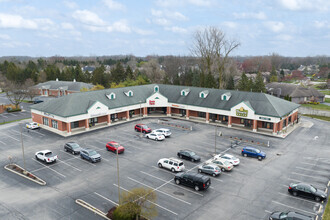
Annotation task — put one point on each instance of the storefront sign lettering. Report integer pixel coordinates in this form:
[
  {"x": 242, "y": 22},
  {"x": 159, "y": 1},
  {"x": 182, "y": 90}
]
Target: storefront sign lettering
[
  {"x": 264, "y": 118},
  {"x": 49, "y": 115},
  {"x": 241, "y": 112},
  {"x": 151, "y": 102},
  {"x": 98, "y": 114}
]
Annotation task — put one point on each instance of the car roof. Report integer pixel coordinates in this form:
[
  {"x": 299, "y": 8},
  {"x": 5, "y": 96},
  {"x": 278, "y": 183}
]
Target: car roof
[
  {"x": 210, "y": 164},
  {"x": 252, "y": 148},
  {"x": 165, "y": 129},
  {"x": 298, "y": 214},
  {"x": 227, "y": 155},
  {"x": 112, "y": 142},
  {"x": 174, "y": 159},
  {"x": 220, "y": 159},
  {"x": 140, "y": 124},
  {"x": 197, "y": 175},
  {"x": 44, "y": 151}
]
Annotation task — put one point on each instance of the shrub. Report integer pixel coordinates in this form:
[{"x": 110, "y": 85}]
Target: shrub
[
  {"x": 125, "y": 212},
  {"x": 13, "y": 110}
]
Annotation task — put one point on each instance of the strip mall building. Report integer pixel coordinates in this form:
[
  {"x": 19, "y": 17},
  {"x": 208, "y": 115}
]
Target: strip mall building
[{"x": 85, "y": 111}]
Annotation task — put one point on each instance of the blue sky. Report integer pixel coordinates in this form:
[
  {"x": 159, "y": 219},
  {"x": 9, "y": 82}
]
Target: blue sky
[{"x": 162, "y": 27}]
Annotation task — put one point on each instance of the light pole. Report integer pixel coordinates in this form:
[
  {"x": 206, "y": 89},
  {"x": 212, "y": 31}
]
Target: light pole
[
  {"x": 140, "y": 119},
  {"x": 118, "y": 176},
  {"x": 215, "y": 139},
  {"x": 22, "y": 146}
]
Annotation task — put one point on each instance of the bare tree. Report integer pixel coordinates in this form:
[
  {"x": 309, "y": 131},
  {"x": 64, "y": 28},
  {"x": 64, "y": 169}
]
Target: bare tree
[
  {"x": 31, "y": 92},
  {"x": 212, "y": 46},
  {"x": 153, "y": 71},
  {"x": 172, "y": 67},
  {"x": 16, "y": 92}
]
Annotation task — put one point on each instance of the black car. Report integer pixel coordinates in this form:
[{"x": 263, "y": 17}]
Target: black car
[
  {"x": 289, "y": 216},
  {"x": 90, "y": 155},
  {"x": 36, "y": 101},
  {"x": 189, "y": 155},
  {"x": 307, "y": 191},
  {"x": 194, "y": 180},
  {"x": 72, "y": 147}
]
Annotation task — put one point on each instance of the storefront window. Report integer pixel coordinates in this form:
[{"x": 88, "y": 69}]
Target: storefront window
[
  {"x": 202, "y": 114},
  {"x": 267, "y": 125},
  {"x": 45, "y": 121},
  {"x": 75, "y": 124},
  {"x": 54, "y": 124}
]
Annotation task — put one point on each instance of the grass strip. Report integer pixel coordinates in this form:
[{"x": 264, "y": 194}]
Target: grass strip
[
  {"x": 7, "y": 122},
  {"x": 324, "y": 118}
]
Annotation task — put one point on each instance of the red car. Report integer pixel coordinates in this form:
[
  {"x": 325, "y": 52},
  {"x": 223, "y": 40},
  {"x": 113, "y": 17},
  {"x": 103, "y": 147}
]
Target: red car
[
  {"x": 113, "y": 146},
  {"x": 145, "y": 129}
]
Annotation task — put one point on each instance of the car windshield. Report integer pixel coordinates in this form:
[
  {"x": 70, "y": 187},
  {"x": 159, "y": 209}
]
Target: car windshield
[
  {"x": 258, "y": 151},
  {"x": 313, "y": 189},
  {"x": 234, "y": 158},
  {"x": 192, "y": 153},
  {"x": 283, "y": 215},
  {"x": 48, "y": 154},
  {"x": 74, "y": 146},
  {"x": 144, "y": 126},
  {"x": 226, "y": 163},
  {"x": 216, "y": 168},
  {"x": 181, "y": 164},
  {"x": 92, "y": 153},
  {"x": 116, "y": 145}
]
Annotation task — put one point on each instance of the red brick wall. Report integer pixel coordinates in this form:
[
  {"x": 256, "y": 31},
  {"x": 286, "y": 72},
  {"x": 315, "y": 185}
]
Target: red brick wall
[
  {"x": 236, "y": 120},
  {"x": 53, "y": 93},
  {"x": 37, "y": 118},
  {"x": 61, "y": 126},
  {"x": 2, "y": 108},
  {"x": 121, "y": 115},
  {"x": 259, "y": 124},
  {"x": 102, "y": 119},
  {"x": 137, "y": 112},
  {"x": 81, "y": 123},
  {"x": 193, "y": 113},
  {"x": 175, "y": 111}
]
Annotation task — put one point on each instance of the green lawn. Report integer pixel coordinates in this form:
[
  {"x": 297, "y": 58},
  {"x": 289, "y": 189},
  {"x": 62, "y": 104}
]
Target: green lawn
[
  {"x": 12, "y": 121},
  {"x": 327, "y": 100},
  {"x": 324, "y": 118},
  {"x": 326, "y": 214},
  {"x": 325, "y": 92},
  {"x": 319, "y": 106}
]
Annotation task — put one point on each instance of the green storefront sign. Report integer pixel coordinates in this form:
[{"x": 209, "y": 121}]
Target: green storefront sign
[{"x": 241, "y": 112}]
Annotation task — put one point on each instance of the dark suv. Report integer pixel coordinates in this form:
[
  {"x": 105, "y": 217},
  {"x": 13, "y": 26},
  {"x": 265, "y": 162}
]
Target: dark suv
[
  {"x": 142, "y": 128},
  {"x": 72, "y": 147},
  {"x": 90, "y": 155},
  {"x": 194, "y": 180}
]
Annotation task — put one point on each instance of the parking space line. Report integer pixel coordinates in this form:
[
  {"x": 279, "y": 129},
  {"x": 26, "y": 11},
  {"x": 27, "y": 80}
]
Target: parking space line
[
  {"x": 106, "y": 199},
  {"x": 78, "y": 159},
  {"x": 20, "y": 133},
  {"x": 313, "y": 164},
  {"x": 312, "y": 170},
  {"x": 11, "y": 137},
  {"x": 62, "y": 161},
  {"x": 268, "y": 211},
  {"x": 172, "y": 183},
  {"x": 3, "y": 115},
  {"x": 49, "y": 168},
  {"x": 164, "y": 170},
  {"x": 157, "y": 189},
  {"x": 287, "y": 206},
  {"x": 151, "y": 202},
  {"x": 33, "y": 131},
  {"x": 299, "y": 181},
  {"x": 315, "y": 177},
  {"x": 314, "y": 203}
]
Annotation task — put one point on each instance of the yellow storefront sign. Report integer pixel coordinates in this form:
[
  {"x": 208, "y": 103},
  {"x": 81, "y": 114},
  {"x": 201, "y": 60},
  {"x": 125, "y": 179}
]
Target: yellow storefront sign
[{"x": 241, "y": 112}]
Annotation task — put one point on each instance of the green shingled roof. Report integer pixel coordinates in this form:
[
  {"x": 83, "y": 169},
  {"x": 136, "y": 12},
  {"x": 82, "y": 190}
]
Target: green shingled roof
[{"x": 78, "y": 103}]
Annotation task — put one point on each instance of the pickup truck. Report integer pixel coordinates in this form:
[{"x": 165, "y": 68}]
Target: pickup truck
[{"x": 46, "y": 156}]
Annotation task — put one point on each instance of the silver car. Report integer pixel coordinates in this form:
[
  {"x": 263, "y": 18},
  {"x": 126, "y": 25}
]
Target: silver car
[
  {"x": 164, "y": 131},
  {"x": 211, "y": 169}
]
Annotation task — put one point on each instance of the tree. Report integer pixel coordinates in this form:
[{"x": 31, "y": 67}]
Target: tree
[
  {"x": 16, "y": 91},
  {"x": 129, "y": 73},
  {"x": 135, "y": 203},
  {"x": 152, "y": 70},
  {"x": 118, "y": 73},
  {"x": 230, "y": 84},
  {"x": 99, "y": 76},
  {"x": 31, "y": 92},
  {"x": 243, "y": 83},
  {"x": 273, "y": 75},
  {"x": 211, "y": 45},
  {"x": 259, "y": 85},
  {"x": 210, "y": 81}
]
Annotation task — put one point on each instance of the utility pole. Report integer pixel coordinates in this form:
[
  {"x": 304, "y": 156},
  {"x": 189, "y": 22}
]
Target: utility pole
[
  {"x": 118, "y": 177},
  {"x": 215, "y": 139},
  {"x": 22, "y": 146},
  {"x": 140, "y": 119}
]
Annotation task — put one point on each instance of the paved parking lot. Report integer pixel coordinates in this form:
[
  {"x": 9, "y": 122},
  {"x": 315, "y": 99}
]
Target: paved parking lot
[{"x": 250, "y": 191}]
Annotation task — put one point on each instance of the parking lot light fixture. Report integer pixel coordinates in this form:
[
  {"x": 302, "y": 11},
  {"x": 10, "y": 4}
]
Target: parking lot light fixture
[
  {"x": 20, "y": 124},
  {"x": 215, "y": 139},
  {"x": 140, "y": 118},
  {"x": 118, "y": 177}
]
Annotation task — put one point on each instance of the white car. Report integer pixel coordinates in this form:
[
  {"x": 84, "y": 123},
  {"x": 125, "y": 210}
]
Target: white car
[
  {"x": 46, "y": 156},
  {"x": 155, "y": 136},
  {"x": 172, "y": 164},
  {"x": 164, "y": 131},
  {"x": 230, "y": 158},
  {"x": 32, "y": 125}
]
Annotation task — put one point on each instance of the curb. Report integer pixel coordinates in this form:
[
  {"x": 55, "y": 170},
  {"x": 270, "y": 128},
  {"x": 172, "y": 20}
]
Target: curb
[
  {"x": 175, "y": 125},
  {"x": 91, "y": 208},
  {"x": 41, "y": 182}
]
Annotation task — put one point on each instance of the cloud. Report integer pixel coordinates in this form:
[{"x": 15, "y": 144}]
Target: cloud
[
  {"x": 176, "y": 3},
  {"x": 169, "y": 15},
  {"x": 200, "y": 2},
  {"x": 88, "y": 17},
  {"x": 16, "y": 21},
  {"x": 119, "y": 26},
  {"x": 161, "y": 21},
  {"x": 229, "y": 24},
  {"x": 284, "y": 37},
  {"x": 275, "y": 26},
  {"x": 143, "y": 32},
  {"x": 176, "y": 29},
  {"x": 321, "y": 24},
  {"x": 113, "y": 5},
  {"x": 15, "y": 44},
  {"x": 4, "y": 37},
  {"x": 259, "y": 15},
  {"x": 67, "y": 26},
  {"x": 297, "y": 5},
  {"x": 70, "y": 4}
]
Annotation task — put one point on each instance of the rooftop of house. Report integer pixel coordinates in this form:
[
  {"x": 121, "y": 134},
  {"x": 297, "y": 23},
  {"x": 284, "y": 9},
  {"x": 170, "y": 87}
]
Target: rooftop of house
[
  {"x": 64, "y": 85},
  {"x": 292, "y": 90}
]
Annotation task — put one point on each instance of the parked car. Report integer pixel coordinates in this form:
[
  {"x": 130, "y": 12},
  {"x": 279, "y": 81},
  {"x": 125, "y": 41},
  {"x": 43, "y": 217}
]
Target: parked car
[
  {"x": 36, "y": 101},
  {"x": 289, "y": 216},
  {"x": 90, "y": 155},
  {"x": 72, "y": 147},
  {"x": 142, "y": 128},
  {"x": 46, "y": 155},
  {"x": 172, "y": 164},
  {"x": 194, "y": 180},
  {"x": 211, "y": 169},
  {"x": 32, "y": 125},
  {"x": 230, "y": 158},
  {"x": 253, "y": 152},
  {"x": 155, "y": 136},
  {"x": 224, "y": 165},
  {"x": 164, "y": 131},
  {"x": 306, "y": 190},
  {"x": 189, "y": 155},
  {"x": 114, "y": 146}
]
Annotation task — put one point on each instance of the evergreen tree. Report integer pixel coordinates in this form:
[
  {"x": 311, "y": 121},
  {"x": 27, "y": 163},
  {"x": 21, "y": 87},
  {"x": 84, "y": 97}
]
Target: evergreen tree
[
  {"x": 273, "y": 75},
  {"x": 282, "y": 73},
  {"x": 250, "y": 85},
  {"x": 99, "y": 76},
  {"x": 118, "y": 73},
  {"x": 259, "y": 85},
  {"x": 243, "y": 83},
  {"x": 230, "y": 83},
  {"x": 210, "y": 81},
  {"x": 195, "y": 79},
  {"x": 129, "y": 73},
  {"x": 201, "y": 79}
]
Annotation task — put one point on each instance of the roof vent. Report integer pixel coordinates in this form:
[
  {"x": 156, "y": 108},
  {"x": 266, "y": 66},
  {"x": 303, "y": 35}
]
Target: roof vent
[
  {"x": 56, "y": 79},
  {"x": 185, "y": 92},
  {"x": 203, "y": 94},
  {"x": 226, "y": 96},
  {"x": 129, "y": 93},
  {"x": 74, "y": 80},
  {"x": 156, "y": 88},
  {"x": 111, "y": 96}
]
